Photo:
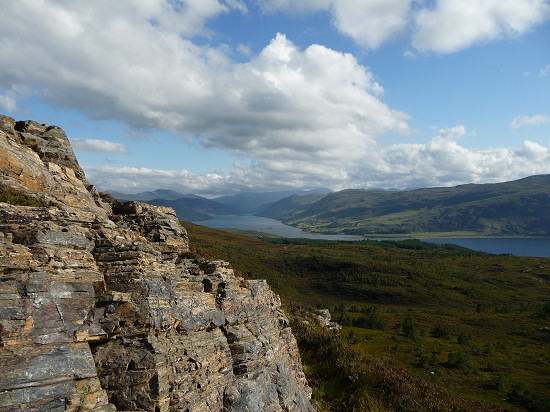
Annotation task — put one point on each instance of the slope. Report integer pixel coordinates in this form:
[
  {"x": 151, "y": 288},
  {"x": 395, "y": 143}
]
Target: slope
[
  {"x": 472, "y": 323},
  {"x": 517, "y": 208}
]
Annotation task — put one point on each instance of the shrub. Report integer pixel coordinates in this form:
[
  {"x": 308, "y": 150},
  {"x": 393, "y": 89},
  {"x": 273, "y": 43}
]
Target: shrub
[
  {"x": 345, "y": 378},
  {"x": 426, "y": 361},
  {"x": 371, "y": 321},
  {"x": 464, "y": 339},
  {"x": 492, "y": 367},
  {"x": 440, "y": 331},
  {"x": 500, "y": 382},
  {"x": 480, "y": 308},
  {"x": 345, "y": 319},
  {"x": 409, "y": 328},
  {"x": 459, "y": 360}
]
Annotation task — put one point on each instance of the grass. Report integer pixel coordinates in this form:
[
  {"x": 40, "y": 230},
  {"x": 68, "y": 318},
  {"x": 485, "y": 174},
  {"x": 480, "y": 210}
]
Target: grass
[
  {"x": 18, "y": 198},
  {"x": 475, "y": 316}
]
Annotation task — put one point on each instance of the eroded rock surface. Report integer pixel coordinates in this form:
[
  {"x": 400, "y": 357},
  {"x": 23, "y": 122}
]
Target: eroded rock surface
[{"x": 101, "y": 309}]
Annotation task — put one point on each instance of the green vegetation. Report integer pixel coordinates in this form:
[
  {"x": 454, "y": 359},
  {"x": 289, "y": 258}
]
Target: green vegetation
[
  {"x": 518, "y": 208},
  {"x": 18, "y": 198},
  {"x": 469, "y": 322}
]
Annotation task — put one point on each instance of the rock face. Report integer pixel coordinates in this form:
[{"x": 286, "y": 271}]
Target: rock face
[{"x": 100, "y": 308}]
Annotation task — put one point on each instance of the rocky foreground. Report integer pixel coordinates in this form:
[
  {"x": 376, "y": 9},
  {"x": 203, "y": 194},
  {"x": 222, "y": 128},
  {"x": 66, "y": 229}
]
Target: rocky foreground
[{"x": 101, "y": 308}]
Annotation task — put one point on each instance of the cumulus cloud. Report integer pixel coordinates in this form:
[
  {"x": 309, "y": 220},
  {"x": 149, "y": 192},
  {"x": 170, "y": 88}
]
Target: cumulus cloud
[
  {"x": 452, "y": 25},
  {"x": 525, "y": 121},
  {"x": 288, "y": 108},
  {"x": 442, "y": 26},
  {"x": 98, "y": 146},
  {"x": 307, "y": 117},
  {"x": 444, "y": 162},
  {"x": 310, "y": 105},
  {"x": 440, "y": 162},
  {"x": 369, "y": 23},
  {"x": 545, "y": 71}
]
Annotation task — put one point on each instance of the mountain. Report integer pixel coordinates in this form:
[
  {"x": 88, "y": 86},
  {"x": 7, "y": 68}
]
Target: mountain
[
  {"x": 146, "y": 196},
  {"x": 194, "y": 208},
  {"x": 285, "y": 208},
  {"x": 188, "y": 207},
  {"x": 516, "y": 208},
  {"x": 250, "y": 202}
]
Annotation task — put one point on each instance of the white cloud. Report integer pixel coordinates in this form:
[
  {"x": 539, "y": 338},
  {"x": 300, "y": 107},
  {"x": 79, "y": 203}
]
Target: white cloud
[
  {"x": 439, "y": 162},
  {"x": 306, "y": 117},
  {"x": 369, "y": 23},
  {"x": 244, "y": 50},
  {"x": 443, "y": 26},
  {"x": 7, "y": 103},
  {"x": 443, "y": 162},
  {"x": 535, "y": 120},
  {"x": 98, "y": 146},
  {"x": 293, "y": 6},
  {"x": 452, "y": 25},
  {"x": 285, "y": 107},
  {"x": 135, "y": 179},
  {"x": 310, "y": 105},
  {"x": 545, "y": 72},
  {"x": 237, "y": 5}
]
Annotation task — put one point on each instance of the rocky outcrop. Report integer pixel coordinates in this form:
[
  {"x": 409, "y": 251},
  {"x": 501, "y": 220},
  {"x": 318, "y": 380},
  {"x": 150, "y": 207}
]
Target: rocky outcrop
[
  {"x": 101, "y": 307},
  {"x": 324, "y": 320}
]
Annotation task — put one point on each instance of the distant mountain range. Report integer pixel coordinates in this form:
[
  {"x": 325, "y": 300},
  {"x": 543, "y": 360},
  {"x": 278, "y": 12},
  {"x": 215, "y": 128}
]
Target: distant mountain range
[
  {"x": 517, "y": 208},
  {"x": 191, "y": 207}
]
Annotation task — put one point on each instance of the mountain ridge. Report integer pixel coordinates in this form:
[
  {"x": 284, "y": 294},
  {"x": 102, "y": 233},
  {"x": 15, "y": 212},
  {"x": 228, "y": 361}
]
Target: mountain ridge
[
  {"x": 515, "y": 208},
  {"x": 191, "y": 207}
]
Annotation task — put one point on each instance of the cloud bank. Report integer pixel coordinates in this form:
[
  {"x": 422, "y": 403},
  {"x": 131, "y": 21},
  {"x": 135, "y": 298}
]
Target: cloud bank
[
  {"x": 440, "y": 162},
  {"x": 306, "y": 117}
]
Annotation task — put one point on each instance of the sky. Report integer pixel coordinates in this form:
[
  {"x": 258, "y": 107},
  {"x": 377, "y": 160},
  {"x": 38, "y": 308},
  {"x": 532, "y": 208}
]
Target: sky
[{"x": 216, "y": 97}]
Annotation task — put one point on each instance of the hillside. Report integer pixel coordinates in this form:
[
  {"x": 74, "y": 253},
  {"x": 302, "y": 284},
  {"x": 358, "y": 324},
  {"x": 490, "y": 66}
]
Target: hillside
[
  {"x": 423, "y": 324},
  {"x": 191, "y": 207},
  {"x": 517, "y": 208}
]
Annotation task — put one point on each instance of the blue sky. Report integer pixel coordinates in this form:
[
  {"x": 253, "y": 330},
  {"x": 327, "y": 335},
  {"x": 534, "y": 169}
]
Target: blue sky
[{"x": 220, "y": 96}]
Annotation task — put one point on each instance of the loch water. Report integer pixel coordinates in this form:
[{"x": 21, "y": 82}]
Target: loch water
[
  {"x": 266, "y": 225},
  {"x": 519, "y": 246}
]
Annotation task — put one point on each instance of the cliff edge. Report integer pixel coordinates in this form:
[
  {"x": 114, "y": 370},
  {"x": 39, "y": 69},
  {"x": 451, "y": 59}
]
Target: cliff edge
[{"x": 101, "y": 308}]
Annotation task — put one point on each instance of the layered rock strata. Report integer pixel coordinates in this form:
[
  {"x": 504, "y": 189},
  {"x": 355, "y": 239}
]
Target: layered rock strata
[{"x": 101, "y": 308}]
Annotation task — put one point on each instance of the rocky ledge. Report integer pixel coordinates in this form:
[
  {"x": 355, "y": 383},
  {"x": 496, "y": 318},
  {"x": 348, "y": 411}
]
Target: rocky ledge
[{"x": 101, "y": 307}]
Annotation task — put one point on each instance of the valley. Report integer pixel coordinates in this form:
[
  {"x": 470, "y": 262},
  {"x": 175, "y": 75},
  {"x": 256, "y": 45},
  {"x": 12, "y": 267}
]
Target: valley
[
  {"x": 469, "y": 323},
  {"x": 508, "y": 209}
]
